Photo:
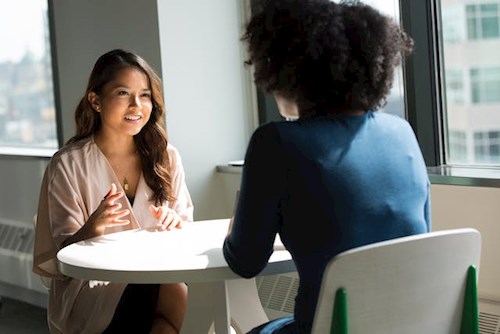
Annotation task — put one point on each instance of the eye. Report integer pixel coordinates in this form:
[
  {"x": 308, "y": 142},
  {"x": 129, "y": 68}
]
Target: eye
[
  {"x": 146, "y": 95},
  {"x": 122, "y": 92}
]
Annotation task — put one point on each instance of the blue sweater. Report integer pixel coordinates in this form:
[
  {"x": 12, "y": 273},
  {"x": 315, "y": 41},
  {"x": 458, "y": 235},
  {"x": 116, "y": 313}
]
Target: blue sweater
[{"x": 326, "y": 184}]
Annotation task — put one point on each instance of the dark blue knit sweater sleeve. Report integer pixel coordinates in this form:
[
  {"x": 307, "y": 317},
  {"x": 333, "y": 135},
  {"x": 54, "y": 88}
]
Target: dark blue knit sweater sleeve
[{"x": 256, "y": 220}]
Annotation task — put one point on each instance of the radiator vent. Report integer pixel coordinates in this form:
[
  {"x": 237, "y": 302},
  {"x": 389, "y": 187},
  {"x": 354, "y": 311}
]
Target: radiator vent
[
  {"x": 16, "y": 238},
  {"x": 489, "y": 316},
  {"x": 488, "y": 323},
  {"x": 16, "y": 255},
  {"x": 277, "y": 295}
]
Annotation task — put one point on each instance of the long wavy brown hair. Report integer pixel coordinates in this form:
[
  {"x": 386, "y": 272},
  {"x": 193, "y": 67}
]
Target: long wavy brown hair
[{"x": 152, "y": 140}]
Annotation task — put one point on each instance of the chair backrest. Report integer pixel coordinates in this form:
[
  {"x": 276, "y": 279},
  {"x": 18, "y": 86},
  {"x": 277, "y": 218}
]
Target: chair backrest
[{"x": 410, "y": 285}]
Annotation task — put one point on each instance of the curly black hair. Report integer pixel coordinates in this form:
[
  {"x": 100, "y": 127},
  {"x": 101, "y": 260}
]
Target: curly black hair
[{"x": 326, "y": 56}]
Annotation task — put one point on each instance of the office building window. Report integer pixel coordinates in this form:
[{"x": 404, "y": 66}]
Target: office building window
[
  {"x": 487, "y": 147},
  {"x": 485, "y": 85},
  {"x": 27, "y": 111},
  {"x": 455, "y": 87},
  {"x": 457, "y": 143},
  {"x": 483, "y": 21},
  {"x": 453, "y": 29}
]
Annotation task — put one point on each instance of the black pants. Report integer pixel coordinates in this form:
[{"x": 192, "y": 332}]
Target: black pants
[{"x": 136, "y": 310}]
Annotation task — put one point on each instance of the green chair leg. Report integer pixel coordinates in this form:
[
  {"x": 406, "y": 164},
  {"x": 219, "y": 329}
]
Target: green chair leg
[
  {"x": 339, "y": 318},
  {"x": 470, "y": 314}
]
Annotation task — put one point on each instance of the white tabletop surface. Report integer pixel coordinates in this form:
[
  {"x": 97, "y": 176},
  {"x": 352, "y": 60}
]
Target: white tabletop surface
[{"x": 190, "y": 254}]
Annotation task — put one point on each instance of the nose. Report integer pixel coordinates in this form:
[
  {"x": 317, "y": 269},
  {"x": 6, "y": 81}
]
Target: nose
[{"x": 136, "y": 101}]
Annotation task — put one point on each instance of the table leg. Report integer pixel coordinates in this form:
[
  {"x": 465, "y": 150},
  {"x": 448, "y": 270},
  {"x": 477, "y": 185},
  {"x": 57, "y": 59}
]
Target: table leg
[
  {"x": 207, "y": 303},
  {"x": 222, "y": 313},
  {"x": 218, "y": 303},
  {"x": 199, "y": 314},
  {"x": 246, "y": 308}
]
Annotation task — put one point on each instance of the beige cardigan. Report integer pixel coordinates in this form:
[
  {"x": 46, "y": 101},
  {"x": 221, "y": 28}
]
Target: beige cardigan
[{"x": 75, "y": 181}]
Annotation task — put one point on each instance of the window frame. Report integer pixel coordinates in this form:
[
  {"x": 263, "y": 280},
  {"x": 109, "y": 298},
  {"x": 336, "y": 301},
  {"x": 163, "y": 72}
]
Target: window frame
[{"x": 424, "y": 87}]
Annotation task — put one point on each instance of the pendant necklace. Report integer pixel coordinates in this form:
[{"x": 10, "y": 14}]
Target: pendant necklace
[{"x": 125, "y": 183}]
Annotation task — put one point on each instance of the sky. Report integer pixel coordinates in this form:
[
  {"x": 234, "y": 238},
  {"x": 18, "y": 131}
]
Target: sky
[
  {"x": 389, "y": 7},
  {"x": 21, "y": 28}
]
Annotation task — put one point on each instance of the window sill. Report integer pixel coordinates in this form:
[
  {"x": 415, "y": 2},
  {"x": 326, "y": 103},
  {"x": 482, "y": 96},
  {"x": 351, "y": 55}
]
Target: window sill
[
  {"x": 25, "y": 152},
  {"x": 228, "y": 169},
  {"x": 447, "y": 175},
  {"x": 465, "y": 176}
]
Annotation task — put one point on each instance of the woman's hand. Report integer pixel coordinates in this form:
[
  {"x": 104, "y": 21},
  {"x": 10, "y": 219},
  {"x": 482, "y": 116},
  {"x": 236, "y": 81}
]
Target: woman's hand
[
  {"x": 108, "y": 214},
  {"x": 167, "y": 218}
]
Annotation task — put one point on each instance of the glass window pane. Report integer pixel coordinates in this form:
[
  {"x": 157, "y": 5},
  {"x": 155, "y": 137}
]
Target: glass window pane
[
  {"x": 27, "y": 112},
  {"x": 395, "y": 101},
  {"x": 472, "y": 70},
  {"x": 489, "y": 27},
  {"x": 453, "y": 31}
]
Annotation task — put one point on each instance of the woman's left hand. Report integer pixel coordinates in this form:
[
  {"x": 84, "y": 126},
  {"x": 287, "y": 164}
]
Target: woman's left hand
[{"x": 167, "y": 218}]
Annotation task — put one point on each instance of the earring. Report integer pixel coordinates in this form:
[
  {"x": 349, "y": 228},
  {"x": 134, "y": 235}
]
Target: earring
[{"x": 97, "y": 108}]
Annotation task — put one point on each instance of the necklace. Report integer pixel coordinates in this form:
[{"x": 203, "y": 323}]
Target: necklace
[{"x": 125, "y": 183}]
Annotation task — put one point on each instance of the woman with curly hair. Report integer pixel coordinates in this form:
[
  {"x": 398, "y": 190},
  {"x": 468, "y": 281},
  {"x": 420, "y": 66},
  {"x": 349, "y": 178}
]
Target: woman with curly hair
[
  {"x": 342, "y": 174},
  {"x": 117, "y": 173}
]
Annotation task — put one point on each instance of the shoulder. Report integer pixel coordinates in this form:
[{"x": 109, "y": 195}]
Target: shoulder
[
  {"x": 389, "y": 118},
  {"x": 72, "y": 151},
  {"x": 66, "y": 163},
  {"x": 174, "y": 156},
  {"x": 392, "y": 123},
  {"x": 268, "y": 132}
]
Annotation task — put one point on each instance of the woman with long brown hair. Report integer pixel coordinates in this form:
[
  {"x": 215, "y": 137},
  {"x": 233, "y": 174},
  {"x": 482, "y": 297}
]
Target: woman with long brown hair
[{"x": 118, "y": 172}]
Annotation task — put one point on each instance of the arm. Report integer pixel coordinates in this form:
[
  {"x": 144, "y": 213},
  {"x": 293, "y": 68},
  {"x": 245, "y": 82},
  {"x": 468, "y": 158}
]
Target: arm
[
  {"x": 257, "y": 218},
  {"x": 63, "y": 213},
  {"x": 108, "y": 214},
  {"x": 174, "y": 214}
]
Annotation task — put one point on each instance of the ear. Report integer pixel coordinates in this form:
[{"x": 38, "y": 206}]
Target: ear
[{"x": 93, "y": 99}]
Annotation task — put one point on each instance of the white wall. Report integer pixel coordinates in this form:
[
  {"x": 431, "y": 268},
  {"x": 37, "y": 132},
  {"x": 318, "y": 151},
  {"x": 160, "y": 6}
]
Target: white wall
[
  {"x": 477, "y": 207},
  {"x": 207, "y": 93}
]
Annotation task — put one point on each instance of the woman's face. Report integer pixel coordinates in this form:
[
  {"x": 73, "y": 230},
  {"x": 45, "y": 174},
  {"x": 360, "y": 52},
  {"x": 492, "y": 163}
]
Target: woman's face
[
  {"x": 288, "y": 109},
  {"x": 125, "y": 103}
]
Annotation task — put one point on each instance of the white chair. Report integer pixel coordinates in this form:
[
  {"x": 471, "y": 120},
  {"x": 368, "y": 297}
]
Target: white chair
[{"x": 409, "y": 285}]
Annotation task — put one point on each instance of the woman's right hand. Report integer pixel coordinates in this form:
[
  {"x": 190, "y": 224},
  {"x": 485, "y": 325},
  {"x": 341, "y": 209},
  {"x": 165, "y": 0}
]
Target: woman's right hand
[{"x": 109, "y": 213}]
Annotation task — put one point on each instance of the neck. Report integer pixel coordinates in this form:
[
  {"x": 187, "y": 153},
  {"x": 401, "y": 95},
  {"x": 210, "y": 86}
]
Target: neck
[{"x": 120, "y": 146}]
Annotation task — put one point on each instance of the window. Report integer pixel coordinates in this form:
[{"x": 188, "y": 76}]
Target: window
[
  {"x": 453, "y": 31},
  {"x": 485, "y": 85},
  {"x": 487, "y": 147},
  {"x": 482, "y": 21},
  {"x": 458, "y": 145},
  {"x": 455, "y": 87},
  {"x": 472, "y": 82},
  {"x": 27, "y": 108}
]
